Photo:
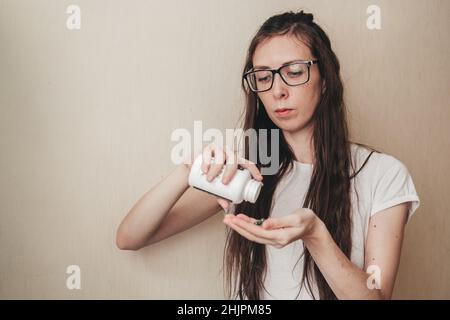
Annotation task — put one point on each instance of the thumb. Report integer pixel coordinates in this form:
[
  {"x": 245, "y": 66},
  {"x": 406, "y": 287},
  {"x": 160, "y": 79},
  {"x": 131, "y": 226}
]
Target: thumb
[{"x": 224, "y": 204}]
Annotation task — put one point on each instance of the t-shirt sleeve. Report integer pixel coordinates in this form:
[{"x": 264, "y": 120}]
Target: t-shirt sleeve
[{"x": 394, "y": 186}]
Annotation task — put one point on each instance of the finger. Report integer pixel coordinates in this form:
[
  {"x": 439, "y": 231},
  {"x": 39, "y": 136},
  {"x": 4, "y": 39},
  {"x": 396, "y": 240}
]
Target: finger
[
  {"x": 272, "y": 235},
  {"x": 250, "y": 166},
  {"x": 224, "y": 204},
  {"x": 247, "y": 234},
  {"x": 246, "y": 218},
  {"x": 216, "y": 168},
  {"x": 214, "y": 171},
  {"x": 230, "y": 156},
  {"x": 228, "y": 217},
  {"x": 231, "y": 167},
  {"x": 206, "y": 158},
  {"x": 279, "y": 239},
  {"x": 292, "y": 220},
  {"x": 229, "y": 172}
]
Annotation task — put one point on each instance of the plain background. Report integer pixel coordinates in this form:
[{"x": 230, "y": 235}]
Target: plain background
[{"x": 86, "y": 118}]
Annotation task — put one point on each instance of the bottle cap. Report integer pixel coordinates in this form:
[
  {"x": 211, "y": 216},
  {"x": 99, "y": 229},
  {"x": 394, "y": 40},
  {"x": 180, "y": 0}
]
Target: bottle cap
[{"x": 251, "y": 191}]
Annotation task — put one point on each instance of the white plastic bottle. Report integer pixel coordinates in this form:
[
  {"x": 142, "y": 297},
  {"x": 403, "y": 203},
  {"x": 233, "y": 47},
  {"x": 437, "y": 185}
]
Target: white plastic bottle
[{"x": 241, "y": 187}]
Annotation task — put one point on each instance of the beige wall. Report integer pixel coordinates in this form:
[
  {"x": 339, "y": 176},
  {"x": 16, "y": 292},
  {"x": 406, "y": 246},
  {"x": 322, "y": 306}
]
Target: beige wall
[{"x": 86, "y": 118}]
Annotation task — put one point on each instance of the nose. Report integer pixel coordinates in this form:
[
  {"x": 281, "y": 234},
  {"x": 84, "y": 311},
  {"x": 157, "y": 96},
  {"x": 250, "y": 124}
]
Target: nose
[{"x": 279, "y": 88}]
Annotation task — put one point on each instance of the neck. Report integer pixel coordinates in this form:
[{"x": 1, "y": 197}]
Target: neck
[{"x": 301, "y": 143}]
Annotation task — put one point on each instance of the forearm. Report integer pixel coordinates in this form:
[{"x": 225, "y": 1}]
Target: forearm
[
  {"x": 345, "y": 279},
  {"x": 147, "y": 214}
]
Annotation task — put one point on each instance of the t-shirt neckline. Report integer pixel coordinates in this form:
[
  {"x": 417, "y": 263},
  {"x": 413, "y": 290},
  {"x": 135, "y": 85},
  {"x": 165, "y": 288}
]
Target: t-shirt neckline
[{"x": 304, "y": 165}]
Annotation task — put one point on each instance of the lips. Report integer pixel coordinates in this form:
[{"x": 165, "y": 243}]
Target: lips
[{"x": 283, "y": 111}]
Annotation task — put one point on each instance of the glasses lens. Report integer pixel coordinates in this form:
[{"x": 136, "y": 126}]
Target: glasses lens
[
  {"x": 295, "y": 74},
  {"x": 259, "y": 80}
]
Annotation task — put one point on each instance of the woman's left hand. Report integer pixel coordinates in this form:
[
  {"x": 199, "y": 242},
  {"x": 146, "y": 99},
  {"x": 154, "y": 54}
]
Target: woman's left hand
[{"x": 277, "y": 232}]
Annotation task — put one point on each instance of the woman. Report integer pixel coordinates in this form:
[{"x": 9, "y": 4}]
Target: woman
[{"x": 334, "y": 209}]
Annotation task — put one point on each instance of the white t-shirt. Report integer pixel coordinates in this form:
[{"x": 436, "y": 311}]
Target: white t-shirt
[{"x": 382, "y": 183}]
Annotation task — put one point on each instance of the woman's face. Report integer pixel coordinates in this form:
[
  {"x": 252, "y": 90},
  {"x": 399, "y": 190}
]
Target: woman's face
[{"x": 301, "y": 99}]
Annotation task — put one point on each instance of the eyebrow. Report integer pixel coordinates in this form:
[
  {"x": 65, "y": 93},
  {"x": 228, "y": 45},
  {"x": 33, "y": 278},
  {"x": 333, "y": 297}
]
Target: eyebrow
[{"x": 286, "y": 63}]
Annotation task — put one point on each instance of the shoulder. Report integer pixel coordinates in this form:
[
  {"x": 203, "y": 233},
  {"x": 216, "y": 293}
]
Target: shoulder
[
  {"x": 386, "y": 179},
  {"x": 374, "y": 164}
]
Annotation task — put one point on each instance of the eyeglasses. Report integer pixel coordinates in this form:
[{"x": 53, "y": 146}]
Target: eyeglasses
[{"x": 293, "y": 74}]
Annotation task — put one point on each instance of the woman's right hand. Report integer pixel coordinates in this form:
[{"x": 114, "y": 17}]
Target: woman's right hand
[{"x": 225, "y": 159}]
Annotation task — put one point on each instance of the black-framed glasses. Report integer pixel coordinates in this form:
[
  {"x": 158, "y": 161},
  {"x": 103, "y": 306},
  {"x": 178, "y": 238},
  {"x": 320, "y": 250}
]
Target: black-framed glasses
[{"x": 293, "y": 74}]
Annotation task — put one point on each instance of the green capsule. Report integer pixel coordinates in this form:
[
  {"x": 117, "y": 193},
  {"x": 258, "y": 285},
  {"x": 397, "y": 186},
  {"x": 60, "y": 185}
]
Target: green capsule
[{"x": 259, "y": 222}]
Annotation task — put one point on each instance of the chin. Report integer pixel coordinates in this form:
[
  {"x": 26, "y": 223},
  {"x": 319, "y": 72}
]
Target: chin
[{"x": 292, "y": 125}]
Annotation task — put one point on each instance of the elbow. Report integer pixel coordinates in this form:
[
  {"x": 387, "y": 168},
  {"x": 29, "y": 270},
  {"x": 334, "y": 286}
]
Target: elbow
[
  {"x": 123, "y": 242},
  {"x": 380, "y": 295},
  {"x": 385, "y": 296}
]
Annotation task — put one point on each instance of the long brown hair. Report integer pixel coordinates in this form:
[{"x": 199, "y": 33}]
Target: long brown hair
[{"x": 329, "y": 190}]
